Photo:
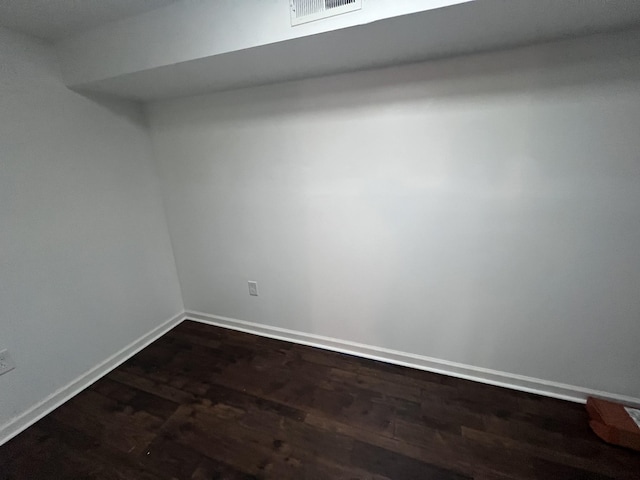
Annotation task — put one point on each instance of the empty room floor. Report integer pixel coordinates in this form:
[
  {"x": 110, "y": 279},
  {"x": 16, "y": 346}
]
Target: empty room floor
[{"x": 204, "y": 402}]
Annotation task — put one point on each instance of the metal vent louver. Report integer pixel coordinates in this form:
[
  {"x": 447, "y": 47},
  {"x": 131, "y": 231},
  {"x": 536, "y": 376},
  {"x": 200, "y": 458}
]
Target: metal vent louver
[{"x": 303, "y": 11}]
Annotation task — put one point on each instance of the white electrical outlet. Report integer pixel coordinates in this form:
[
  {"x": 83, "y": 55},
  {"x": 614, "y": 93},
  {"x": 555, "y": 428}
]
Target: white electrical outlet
[
  {"x": 6, "y": 362},
  {"x": 253, "y": 289}
]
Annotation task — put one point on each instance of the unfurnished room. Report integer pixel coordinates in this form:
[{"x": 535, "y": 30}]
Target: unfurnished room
[{"x": 319, "y": 239}]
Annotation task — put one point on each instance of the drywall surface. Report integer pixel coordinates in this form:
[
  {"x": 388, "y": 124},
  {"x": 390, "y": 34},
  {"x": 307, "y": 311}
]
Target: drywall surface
[
  {"x": 470, "y": 27},
  {"x": 86, "y": 265},
  {"x": 192, "y": 29},
  {"x": 193, "y": 48},
  {"x": 481, "y": 210}
]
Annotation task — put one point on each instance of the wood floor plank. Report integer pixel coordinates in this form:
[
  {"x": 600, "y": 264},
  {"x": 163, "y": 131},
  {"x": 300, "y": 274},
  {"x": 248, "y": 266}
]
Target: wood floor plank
[
  {"x": 210, "y": 469},
  {"x": 599, "y": 463},
  {"x": 168, "y": 458},
  {"x": 395, "y": 465},
  {"x": 204, "y": 402},
  {"x": 151, "y": 386}
]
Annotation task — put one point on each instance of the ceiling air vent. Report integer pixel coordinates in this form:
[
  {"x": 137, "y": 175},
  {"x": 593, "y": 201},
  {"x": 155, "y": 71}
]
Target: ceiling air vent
[{"x": 303, "y": 11}]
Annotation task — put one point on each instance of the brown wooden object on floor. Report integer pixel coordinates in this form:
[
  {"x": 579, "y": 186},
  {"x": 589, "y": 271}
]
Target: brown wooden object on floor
[{"x": 612, "y": 423}]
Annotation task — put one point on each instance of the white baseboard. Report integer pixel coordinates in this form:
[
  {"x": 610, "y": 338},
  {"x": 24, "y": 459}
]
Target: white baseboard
[
  {"x": 53, "y": 401},
  {"x": 468, "y": 372},
  {"x": 445, "y": 367}
]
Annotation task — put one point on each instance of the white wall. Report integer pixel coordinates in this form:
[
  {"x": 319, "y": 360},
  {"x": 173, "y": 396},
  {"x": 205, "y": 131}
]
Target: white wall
[
  {"x": 481, "y": 210},
  {"x": 86, "y": 265},
  {"x": 199, "y": 46},
  {"x": 192, "y": 29}
]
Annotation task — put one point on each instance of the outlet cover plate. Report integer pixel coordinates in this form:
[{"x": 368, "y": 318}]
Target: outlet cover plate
[
  {"x": 6, "y": 362},
  {"x": 253, "y": 289}
]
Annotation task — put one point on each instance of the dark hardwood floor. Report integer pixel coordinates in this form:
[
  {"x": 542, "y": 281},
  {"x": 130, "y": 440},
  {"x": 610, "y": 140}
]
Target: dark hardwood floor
[{"x": 208, "y": 403}]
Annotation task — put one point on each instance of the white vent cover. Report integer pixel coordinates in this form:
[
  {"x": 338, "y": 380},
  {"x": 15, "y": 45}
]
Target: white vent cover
[{"x": 303, "y": 11}]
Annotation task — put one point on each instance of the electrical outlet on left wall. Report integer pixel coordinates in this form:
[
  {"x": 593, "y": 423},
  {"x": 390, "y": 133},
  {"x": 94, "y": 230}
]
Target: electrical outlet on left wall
[
  {"x": 6, "y": 362},
  {"x": 253, "y": 289}
]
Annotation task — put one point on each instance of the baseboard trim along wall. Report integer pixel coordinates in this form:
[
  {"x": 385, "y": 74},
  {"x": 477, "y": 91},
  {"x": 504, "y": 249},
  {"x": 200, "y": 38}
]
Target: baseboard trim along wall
[
  {"x": 468, "y": 372},
  {"x": 53, "y": 401},
  {"x": 492, "y": 377}
]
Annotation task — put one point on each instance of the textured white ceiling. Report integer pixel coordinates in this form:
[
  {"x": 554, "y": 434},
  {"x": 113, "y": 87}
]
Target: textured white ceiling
[{"x": 56, "y": 19}]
